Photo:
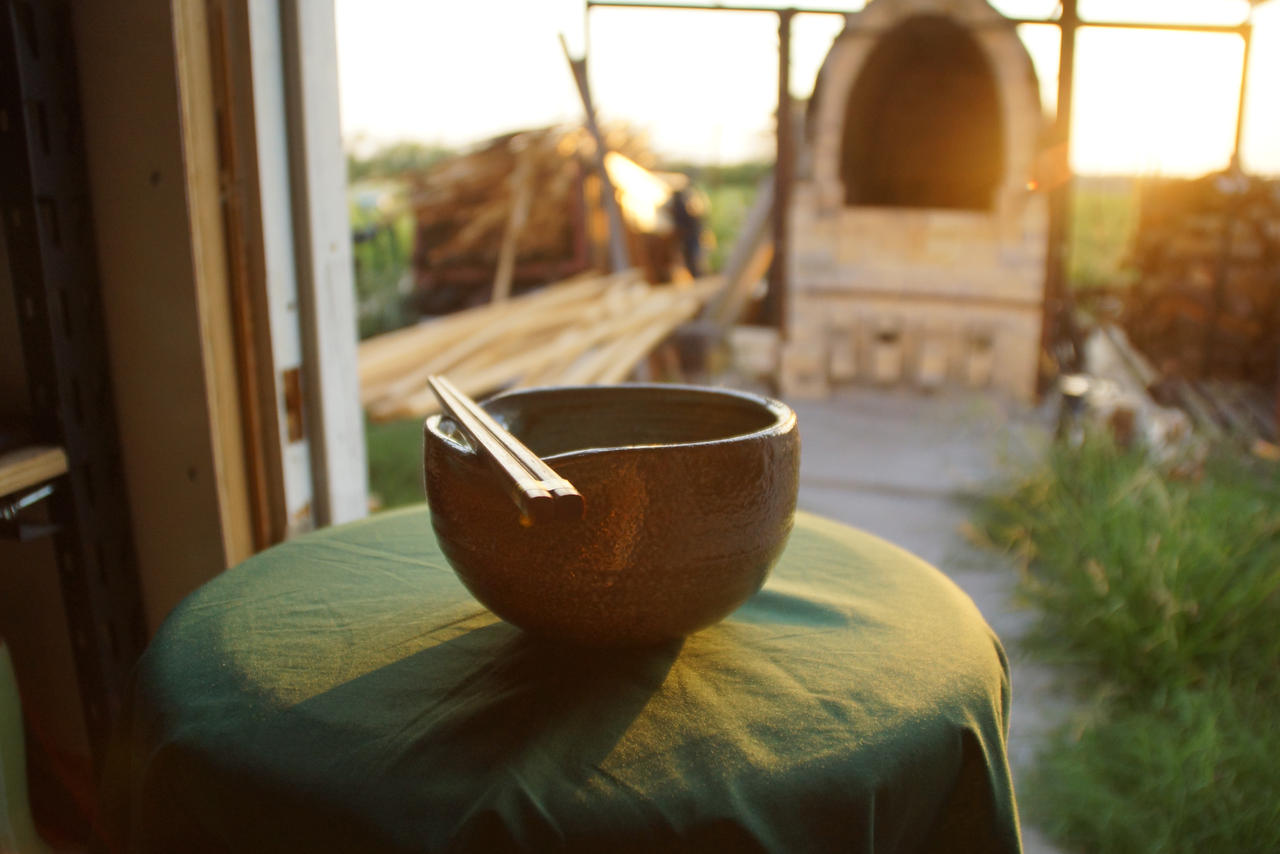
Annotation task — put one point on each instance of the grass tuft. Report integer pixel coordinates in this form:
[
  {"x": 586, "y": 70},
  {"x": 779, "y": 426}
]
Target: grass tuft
[
  {"x": 1163, "y": 594},
  {"x": 395, "y": 462}
]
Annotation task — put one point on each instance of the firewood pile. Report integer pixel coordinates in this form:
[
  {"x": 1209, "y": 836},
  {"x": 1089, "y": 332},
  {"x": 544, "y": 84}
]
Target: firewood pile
[
  {"x": 1207, "y": 301},
  {"x": 534, "y": 189},
  {"x": 586, "y": 330}
]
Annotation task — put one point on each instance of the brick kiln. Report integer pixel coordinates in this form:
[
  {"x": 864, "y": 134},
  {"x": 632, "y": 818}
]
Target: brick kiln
[{"x": 918, "y": 243}]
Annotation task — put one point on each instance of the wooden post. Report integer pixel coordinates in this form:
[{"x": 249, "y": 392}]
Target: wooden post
[
  {"x": 237, "y": 176},
  {"x": 618, "y": 257},
  {"x": 776, "y": 298},
  {"x": 521, "y": 184}
]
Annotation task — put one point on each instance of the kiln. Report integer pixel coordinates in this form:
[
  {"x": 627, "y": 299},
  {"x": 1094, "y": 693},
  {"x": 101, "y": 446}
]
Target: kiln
[{"x": 918, "y": 240}]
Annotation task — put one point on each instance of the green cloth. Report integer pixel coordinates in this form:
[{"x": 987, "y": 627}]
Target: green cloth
[{"x": 343, "y": 692}]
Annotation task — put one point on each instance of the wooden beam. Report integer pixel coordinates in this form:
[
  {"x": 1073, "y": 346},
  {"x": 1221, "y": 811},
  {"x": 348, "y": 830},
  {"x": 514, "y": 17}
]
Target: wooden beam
[
  {"x": 155, "y": 207},
  {"x": 234, "y": 87},
  {"x": 618, "y": 256},
  {"x": 728, "y": 305},
  {"x": 521, "y": 195},
  {"x": 213, "y": 285},
  {"x": 551, "y": 340}
]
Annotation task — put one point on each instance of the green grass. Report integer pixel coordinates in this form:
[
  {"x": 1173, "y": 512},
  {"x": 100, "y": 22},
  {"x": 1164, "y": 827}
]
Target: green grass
[
  {"x": 395, "y": 462},
  {"x": 1161, "y": 594},
  {"x": 1104, "y": 213},
  {"x": 729, "y": 205},
  {"x": 1193, "y": 773},
  {"x": 382, "y": 264}
]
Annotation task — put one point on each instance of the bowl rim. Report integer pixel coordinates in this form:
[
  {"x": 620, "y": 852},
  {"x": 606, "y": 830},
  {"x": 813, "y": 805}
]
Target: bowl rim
[{"x": 783, "y": 422}]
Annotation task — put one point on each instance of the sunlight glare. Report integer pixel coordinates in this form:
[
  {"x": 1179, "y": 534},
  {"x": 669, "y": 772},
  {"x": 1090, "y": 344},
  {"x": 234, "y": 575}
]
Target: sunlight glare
[
  {"x": 1155, "y": 102},
  {"x": 702, "y": 85}
]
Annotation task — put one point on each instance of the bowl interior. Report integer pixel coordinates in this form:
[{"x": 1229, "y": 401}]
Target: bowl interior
[{"x": 554, "y": 421}]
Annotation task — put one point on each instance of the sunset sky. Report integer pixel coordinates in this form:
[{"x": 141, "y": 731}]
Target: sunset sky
[{"x": 703, "y": 85}]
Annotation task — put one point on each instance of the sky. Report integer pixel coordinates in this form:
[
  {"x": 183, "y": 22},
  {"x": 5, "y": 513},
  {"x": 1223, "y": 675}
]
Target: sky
[{"x": 703, "y": 85}]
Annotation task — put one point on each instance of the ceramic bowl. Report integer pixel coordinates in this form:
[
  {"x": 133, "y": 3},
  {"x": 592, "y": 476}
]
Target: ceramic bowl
[{"x": 690, "y": 497}]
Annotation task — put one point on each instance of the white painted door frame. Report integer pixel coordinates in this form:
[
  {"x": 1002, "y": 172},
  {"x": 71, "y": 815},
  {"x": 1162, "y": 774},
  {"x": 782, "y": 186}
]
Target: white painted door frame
[{"x": 290, "y": 49}]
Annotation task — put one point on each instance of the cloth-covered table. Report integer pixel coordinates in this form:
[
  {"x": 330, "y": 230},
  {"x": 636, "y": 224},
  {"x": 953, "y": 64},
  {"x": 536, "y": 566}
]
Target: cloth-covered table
[{"x": 344, "y": 692}]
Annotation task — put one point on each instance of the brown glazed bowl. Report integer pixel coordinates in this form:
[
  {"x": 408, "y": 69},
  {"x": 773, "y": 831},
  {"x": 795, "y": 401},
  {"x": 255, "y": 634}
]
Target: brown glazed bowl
[{"x": 690, "y": 497}]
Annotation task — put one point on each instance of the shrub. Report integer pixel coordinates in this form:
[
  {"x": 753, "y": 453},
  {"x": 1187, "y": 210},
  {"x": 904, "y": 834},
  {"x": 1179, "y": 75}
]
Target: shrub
[{"x": 1162, "y": 594}]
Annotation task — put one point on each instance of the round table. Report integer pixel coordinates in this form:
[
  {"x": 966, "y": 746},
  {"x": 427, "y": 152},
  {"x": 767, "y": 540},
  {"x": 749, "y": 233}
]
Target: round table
[{"x": 343, "y": 692}]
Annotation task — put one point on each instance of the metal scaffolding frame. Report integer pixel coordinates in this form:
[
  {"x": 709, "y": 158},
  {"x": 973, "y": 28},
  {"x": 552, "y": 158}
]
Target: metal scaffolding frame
[{"x": 1057, "y": 300}]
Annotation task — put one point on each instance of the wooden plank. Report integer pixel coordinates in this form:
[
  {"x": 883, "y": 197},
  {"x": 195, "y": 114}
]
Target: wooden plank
[
  {"x": 390, "y": 347},
  {"x": 618, "y": 255},
  {"x": 1138, "y": 365},
  {"x": 199, "y": 128},
  {"x": 521, "y": 195},
  {"x": 575, "y": 344},
  {"x": 463, "y": 335},
  {"x": 727, "y": 307},
  {"x": 1200, "y": 410},
  {"x": 639, "y": 345},
  {"x": 244, "y": 317},
  {"x": 549, "y": 357},
  {"x": 28, "y": 466},
  {"x": 163, "y": 321},
  {"x": 262, "y": 395}
]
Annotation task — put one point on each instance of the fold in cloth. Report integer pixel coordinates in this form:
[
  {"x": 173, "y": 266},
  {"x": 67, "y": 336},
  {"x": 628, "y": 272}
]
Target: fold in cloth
[{"x": 343, "y": 692}]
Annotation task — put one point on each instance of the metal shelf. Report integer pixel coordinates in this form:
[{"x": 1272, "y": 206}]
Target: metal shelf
[{"x": 52, "y": 260}]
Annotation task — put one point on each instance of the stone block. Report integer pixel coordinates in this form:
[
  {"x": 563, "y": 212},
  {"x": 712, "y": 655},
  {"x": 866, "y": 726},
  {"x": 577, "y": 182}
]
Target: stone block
[
  {"x": 802, "y": 373},
  {"x": 754, "y": 350},
  {"x": 842, "y": 351}
]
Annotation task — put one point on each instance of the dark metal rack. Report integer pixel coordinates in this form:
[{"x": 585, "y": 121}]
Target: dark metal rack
[{"x": 48, "y": 225}]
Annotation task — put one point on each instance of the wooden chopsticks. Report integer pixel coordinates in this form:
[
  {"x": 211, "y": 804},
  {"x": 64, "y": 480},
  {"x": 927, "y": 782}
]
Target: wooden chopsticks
[{"x": 540, "y": 493}]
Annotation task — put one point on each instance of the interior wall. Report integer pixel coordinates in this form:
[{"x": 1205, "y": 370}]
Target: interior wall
[{"x": 923, "y": 123}]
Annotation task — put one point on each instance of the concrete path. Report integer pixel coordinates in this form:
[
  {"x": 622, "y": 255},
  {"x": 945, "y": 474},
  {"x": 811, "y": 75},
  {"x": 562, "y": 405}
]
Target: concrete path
[{"x": 897, "y": 464}]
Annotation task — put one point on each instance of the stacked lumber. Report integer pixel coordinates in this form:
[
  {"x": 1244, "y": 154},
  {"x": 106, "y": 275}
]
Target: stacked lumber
[
  {"x": 588, "y": 330},
  {"x": 465, "y": 207},
  {"x": 1207, "y": 300}
]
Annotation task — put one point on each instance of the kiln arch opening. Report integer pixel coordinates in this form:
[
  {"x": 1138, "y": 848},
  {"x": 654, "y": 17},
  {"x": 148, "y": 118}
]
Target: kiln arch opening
[{"x": 922, "y": 125}]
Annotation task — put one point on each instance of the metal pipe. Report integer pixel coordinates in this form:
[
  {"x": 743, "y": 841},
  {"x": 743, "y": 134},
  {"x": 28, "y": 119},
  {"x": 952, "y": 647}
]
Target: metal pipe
[
  {"x": 1246, "y": 33},
  {"x": 776, "y": 299},
  {"x": 1056, "y": 299},
  {"x": 1078, "y": 23}
]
